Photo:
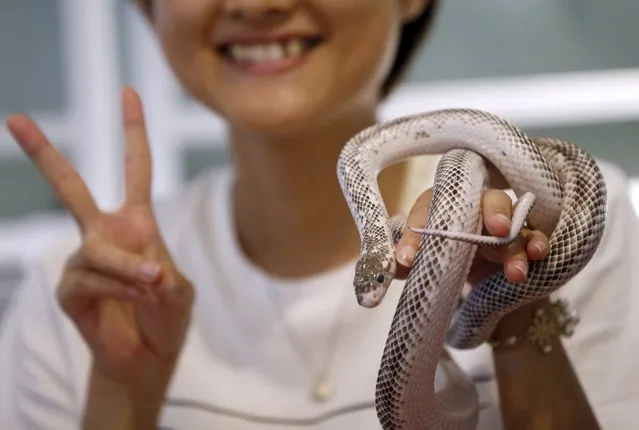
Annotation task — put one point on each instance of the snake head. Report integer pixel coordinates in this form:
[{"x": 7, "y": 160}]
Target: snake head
[{"x": 373, "y": 275}]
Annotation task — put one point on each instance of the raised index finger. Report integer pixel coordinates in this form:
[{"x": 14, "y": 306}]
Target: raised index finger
[
  {"x": 63, "y": 179},
  {"x": 137, "y": 162}
]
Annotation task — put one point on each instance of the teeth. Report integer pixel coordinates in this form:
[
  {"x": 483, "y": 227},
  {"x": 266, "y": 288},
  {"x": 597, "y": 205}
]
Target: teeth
[
  {"x": 295, "y": 47},
  {"x": 238, "y": 52},
  {"x": 268, "y": 52},
  {"x": 273, "y": 51}
]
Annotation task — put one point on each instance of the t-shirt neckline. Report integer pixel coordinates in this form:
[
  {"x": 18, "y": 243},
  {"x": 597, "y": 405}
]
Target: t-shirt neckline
[{"x": 243, "y": 271}]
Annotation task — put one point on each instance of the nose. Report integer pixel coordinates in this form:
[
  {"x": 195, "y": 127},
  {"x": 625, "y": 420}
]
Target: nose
[{"x": 258, "y": 9}]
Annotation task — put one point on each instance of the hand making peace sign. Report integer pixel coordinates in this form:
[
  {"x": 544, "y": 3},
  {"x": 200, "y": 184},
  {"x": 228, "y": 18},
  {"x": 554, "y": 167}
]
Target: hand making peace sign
[{"x": 121, "y": 288}]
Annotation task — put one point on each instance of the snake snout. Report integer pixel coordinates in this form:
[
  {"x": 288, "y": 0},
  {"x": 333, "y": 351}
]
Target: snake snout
[
  {"x": 372, "y": 279},
  {"x": 371, "y": 298}
]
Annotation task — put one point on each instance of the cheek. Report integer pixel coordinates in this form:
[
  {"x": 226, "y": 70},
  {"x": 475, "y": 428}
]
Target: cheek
[
  {"x": 366, "y": 38},
  {"x": 181, "y": 28},
  {"x": 362, "y": 39}
]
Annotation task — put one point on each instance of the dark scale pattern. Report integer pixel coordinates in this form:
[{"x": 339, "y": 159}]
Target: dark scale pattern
[
  {"x": 436, "y": 285},
  {"x": 572, "y": 245},
  {"x": 570, "y": 204}
]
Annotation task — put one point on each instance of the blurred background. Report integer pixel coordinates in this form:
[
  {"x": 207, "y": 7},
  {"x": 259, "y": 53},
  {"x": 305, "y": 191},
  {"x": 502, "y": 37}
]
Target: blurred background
[{"x": 567, "y": 68}]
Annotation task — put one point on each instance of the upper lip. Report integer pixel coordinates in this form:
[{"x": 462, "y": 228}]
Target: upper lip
[{"x": 263, "y": 39}]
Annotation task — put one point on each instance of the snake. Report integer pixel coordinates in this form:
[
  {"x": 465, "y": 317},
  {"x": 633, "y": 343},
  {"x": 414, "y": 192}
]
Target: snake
[{"x": 559, "y": 190}]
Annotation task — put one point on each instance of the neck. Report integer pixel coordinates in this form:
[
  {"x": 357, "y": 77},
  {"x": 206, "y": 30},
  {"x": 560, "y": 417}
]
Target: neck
[{"x": 291, "y": 216}]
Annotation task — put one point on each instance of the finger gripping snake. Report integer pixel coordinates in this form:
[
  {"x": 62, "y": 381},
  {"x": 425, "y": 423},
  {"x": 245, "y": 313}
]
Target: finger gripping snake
[{"x": 561, "y": 192}]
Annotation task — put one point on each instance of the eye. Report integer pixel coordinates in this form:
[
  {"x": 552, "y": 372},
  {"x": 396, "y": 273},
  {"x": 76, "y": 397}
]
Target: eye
[{"x": 380, "y": 278}]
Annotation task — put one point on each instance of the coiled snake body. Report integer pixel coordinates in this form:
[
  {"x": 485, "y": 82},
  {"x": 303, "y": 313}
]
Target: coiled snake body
[{"x": 569, "y": 196}]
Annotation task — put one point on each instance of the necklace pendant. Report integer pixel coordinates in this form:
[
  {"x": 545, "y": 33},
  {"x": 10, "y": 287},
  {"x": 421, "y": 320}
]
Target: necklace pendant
[{"x": 322, "y": 391}]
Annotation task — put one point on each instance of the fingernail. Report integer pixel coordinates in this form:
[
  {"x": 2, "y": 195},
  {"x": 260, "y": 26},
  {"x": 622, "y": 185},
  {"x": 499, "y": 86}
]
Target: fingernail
[
  {"x": 406, "y": 255},
  {"x": 521, "y": 267},
  {"x": 502, "y": 219},
  {"x": 149, "y": 271},
  {"x": 541, "y": 247}
]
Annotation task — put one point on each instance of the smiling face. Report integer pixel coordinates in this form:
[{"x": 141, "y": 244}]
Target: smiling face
[{"x": 276, "y": 65}]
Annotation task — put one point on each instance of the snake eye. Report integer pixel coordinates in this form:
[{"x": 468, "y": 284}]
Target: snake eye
[{"x": 380, "y": 278}]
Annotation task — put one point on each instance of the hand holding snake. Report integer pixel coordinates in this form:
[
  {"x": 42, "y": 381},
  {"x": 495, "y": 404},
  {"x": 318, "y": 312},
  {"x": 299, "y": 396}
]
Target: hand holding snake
[
  {"x": 561, "y": 195},
  {"x": 497, "y": 212}
]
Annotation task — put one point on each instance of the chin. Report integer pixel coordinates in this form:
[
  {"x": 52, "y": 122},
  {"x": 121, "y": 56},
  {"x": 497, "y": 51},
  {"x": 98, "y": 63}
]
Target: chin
[{"x": 273, "y": 116}]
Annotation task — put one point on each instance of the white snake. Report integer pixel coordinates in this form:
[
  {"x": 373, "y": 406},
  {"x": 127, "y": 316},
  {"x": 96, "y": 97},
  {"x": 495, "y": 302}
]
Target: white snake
[{"x": 569, "y": 196}]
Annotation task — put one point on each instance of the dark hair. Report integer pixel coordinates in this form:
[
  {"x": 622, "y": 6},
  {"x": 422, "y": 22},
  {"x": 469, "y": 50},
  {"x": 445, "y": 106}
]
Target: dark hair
[{"x": 413, "y": 35}]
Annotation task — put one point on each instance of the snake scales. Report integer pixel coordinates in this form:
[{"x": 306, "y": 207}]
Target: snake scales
[{"x": 561, "y": 192}]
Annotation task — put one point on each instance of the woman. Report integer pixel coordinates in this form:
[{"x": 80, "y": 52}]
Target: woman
[{"x": 230, "y": 305}]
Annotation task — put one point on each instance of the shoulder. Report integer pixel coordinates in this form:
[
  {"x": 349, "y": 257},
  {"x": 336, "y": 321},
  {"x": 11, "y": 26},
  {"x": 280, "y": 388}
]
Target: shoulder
[
  {"x": 179, "y": 214},
  {"x": 34, "y": 328},
  {"x": 617, "y": 182},
  {"x": 187, "y": 208},
  {"x": 618, "y": 249}
]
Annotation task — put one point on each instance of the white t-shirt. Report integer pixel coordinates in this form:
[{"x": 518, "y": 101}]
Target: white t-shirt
[{"x": 247, "y": 363}]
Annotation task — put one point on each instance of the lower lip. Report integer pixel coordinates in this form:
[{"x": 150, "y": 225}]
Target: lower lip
[{"x": 267, "y": 68}]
